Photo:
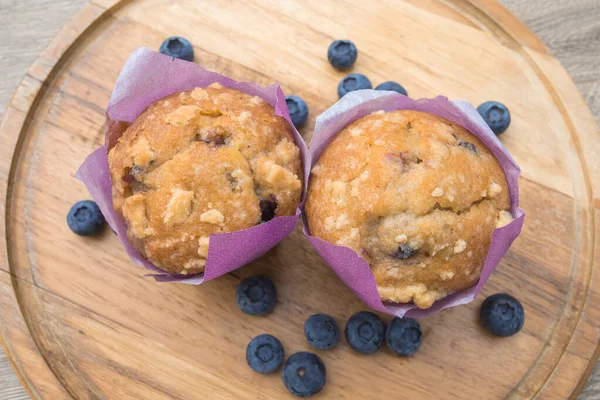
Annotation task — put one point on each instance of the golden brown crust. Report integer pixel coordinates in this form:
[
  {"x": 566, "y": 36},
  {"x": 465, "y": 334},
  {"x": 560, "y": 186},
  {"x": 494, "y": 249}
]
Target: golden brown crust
[
  {"x": 201, "y": 162},
  {"x": 417, "y": 196}
]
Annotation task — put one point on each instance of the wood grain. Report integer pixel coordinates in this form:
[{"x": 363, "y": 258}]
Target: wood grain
[{"x": 70, "y": 111}]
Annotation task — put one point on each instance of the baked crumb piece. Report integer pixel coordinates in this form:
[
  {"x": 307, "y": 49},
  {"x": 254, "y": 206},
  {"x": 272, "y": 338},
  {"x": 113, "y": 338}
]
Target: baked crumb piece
[
  {"x": 460, "y": 246},
  {"x": 494, "y": 189},
  {"x": 338, "y": 189},
  {"x": 203, "y": 243},
  {"x": 316, "y": 170},
  {"x": 426, "y": 299},
  {"x": 417, "y": 293},
  {"x": 286, "y": 151},
  {"x": 446, "y": 275},
  {"x": 350, "y": 240},
  {"x": 355, "y": 132},
  {"x": 199, "y": 94},
  {"x": 504, "y": 218},
  {"x": 141, "y": 152},
  {"x": 276, "y": 174},
  {"x": 183, "y": 115},
  {"x": 239, "y": 178},
  {"x": 179, "y": 206},
  {"x": 395, "y": 118},
  {"x": 255, "y": 101},
  {"x": 212, "y": 217},
  {"x": 342, "y": 221},
  {"x": 402, "y": 238},
  {"x": 134, "y": 210},
  {"x": 244, "y": 116},
  {"x": 198, "y": 263},
  {"x": 437, "y": 192},
  {"x": 439, "y": 247}
]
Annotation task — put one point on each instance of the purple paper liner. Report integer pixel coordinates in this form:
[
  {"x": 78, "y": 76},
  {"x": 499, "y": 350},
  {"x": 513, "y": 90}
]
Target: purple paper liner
[
  {"x": 352, "y": 269},
  {"x": 149, "y": 76}
]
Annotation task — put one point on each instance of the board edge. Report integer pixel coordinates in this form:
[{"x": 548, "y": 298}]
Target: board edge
[{"x": 68, "y": 37}]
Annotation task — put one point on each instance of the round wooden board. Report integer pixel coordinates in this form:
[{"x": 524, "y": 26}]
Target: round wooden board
[{"x": 79, "y": 320}]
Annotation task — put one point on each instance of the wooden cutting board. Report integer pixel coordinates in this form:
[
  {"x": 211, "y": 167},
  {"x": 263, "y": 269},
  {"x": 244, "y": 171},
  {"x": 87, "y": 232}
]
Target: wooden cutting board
[{"x": 80, "y": 321}]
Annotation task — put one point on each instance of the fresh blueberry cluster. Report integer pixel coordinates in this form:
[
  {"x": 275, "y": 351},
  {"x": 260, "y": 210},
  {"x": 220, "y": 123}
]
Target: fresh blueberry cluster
[
  {"x": 366, "y": 333},
  {"x": 342, "y": 54},
  {"x": 304, "y": 373}
]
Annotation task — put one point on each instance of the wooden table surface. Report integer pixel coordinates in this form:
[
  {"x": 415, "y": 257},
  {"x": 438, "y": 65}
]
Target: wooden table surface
[{"x": 570, "y": 28}]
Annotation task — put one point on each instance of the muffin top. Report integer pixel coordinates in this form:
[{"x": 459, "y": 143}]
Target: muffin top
[
  {"x": 416, "y": 196},
  {"x": 200, "y": 162}
]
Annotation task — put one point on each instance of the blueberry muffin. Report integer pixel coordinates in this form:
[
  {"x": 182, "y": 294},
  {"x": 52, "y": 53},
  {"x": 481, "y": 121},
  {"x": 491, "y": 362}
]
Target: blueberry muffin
[
  {"x": 416, "y": 196},
  {"x": 201, "y": 162}
]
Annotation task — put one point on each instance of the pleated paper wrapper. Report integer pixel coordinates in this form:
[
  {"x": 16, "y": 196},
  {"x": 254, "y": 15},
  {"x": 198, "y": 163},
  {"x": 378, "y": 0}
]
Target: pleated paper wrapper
[
  {"x": 147, "y": 77},
  {"x": 352, "y": 269}
]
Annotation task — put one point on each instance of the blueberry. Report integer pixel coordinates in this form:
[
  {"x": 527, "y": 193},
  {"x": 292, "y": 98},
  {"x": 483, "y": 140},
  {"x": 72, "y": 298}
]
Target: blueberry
[
  {"x": 322, "y": 332},
  {"x": 392, "y": 86},
  {"x": 342, "y": 54},
  {"x": 264, "y": 354},
  {"x": 304, "y": 374},
  {"x": 353, "y": 82},
  {"x": 403, "y": 336},
  {"x": 496, "y": 115},
  {"x": 365, "y": 332},
  {"x": 298, "y": 110},
  {"x": 178, "y": 47},
  {"x": 85, "y": 218},
  {"x": 468, "y": 145},
  {"x": 405, "y": 251},
  {"x": 502, "y": 315},
  {"x": 256, "y": 295},
  {"x": 267, "y": 208}
]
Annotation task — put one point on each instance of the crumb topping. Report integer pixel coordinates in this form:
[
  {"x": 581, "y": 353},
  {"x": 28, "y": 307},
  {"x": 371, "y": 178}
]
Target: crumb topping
[
  {"x": 424, "y": 204},
  {"x": 201, "y": 162}
]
